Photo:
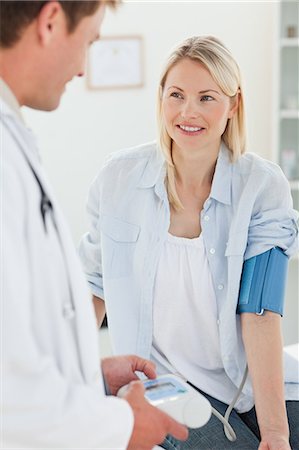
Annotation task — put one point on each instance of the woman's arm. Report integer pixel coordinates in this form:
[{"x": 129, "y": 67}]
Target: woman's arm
[
  {"x": 100, "y": 310},
  {"x": 263, "y": 345}
]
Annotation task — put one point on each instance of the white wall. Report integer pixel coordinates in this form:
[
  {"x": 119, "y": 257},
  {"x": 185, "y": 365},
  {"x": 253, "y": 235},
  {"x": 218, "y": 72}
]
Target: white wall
[{"x": 90, "y": 124}]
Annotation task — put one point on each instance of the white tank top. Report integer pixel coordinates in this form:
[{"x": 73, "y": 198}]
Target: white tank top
[{"x": 185, "y": 326}]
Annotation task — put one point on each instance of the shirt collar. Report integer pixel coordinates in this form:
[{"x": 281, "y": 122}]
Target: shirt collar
[
  {"x": 155, "y": 170},
  {"x": 221, "y": 185},
  {"x": 9, "y": 98}
]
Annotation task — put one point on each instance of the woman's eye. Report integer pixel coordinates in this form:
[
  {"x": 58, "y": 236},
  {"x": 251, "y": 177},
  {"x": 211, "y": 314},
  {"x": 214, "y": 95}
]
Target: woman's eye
[
  {"x": 206, "y": 98},
  {"x": 176, "y": 95}
]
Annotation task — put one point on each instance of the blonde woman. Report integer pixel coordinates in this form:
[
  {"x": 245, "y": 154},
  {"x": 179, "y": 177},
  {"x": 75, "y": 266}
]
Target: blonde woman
[{"x": 171, "y": 226}]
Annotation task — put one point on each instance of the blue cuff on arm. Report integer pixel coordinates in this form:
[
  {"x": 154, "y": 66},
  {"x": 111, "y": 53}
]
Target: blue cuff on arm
[{"x": 263, "y": 283}]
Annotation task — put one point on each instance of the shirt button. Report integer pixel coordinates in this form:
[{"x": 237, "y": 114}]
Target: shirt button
[
  {"x": 68, "y": 311},
  {"x": 220, "y": 287},
  {"x": 206, "y": 218},
  {"x": 218, "y": 322},
  {"x": 212, "y": 251}
]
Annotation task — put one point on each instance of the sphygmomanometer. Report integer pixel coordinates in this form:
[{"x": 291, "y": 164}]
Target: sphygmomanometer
[
  {"x": 263, "y": 283},
  {"x": 177, "y": 398},
  {"x": 182, "y": 402}
]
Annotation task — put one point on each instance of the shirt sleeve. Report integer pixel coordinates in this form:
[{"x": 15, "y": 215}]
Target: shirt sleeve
[
  {"x": 90, "y": 245},
  {"x": 274, "y": 222}
]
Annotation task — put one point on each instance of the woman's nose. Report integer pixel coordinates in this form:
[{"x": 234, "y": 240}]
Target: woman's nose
[{"x": 190, "y": 110}]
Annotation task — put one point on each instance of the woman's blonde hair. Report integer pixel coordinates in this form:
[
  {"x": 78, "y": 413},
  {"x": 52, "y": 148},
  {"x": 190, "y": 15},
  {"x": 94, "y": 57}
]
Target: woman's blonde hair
[{"x": 217, "y": 59}]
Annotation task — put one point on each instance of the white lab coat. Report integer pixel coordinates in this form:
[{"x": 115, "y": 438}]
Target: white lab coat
[{"x": 53, "y": 395}]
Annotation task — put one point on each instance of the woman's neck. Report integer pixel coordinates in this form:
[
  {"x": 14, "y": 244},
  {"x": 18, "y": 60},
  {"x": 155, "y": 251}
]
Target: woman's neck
[{"x": 194, "y": 169}]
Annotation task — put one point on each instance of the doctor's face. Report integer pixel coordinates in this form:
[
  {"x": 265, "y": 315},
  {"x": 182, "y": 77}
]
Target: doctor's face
[
  {"x": 67, "y": 57},
  {"x": 195, "y": 110}
]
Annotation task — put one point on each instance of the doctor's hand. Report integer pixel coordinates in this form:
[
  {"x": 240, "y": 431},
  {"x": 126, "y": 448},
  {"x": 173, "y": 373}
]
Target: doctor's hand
[
  {"x": 120, "y": 370},
  {"x": 151, "y": 425}
]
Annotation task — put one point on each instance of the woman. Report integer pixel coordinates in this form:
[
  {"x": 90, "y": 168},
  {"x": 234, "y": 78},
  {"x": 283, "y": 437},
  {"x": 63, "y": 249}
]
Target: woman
[{"x": 171, "y": 225}]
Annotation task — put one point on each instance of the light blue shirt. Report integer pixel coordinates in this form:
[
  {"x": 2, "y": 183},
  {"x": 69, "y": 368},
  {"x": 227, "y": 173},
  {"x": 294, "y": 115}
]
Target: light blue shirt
[{"x": 249, "y": 210}]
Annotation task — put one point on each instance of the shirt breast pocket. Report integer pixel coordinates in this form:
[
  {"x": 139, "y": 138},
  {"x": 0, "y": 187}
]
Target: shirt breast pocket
[{"x": 119, "y": 240}]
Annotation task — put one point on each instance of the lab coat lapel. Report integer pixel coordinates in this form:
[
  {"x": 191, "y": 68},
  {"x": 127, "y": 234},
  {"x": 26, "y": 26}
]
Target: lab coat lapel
[{"x": 84, "y": 328}]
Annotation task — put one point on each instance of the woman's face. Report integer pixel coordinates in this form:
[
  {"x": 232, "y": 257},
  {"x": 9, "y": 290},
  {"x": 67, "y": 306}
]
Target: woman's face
[{"x": 194, "y": 108}]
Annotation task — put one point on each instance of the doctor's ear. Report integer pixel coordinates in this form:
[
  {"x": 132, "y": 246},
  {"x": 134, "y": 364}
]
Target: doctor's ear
[{"x": 50, "y": 20}]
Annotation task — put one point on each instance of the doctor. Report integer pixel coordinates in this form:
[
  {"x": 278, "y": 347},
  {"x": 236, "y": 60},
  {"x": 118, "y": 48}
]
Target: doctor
[{"x": 53, "y": 390}]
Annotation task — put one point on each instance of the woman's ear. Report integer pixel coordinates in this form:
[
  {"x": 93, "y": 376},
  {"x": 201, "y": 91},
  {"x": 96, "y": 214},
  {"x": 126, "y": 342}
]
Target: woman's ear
[
  {"x": 235, "y": 104},
  {"x": 160, "y": 92},
  {"x": 49, "y": 21}
]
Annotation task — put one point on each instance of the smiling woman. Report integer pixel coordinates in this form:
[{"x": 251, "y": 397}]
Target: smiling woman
[
  {"x": 195, "y": 114},
  {"x": 213, "y": 80},
  {"x": 171, "y": 226}
]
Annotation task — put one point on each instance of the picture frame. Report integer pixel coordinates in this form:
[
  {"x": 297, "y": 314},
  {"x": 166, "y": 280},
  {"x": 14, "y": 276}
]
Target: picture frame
[{"x": 116, "y": 62}]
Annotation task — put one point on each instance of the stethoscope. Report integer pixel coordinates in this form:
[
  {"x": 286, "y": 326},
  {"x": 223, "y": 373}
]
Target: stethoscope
[
  {"x": 46, "y": 207},
  {"x": 47, "y": 210}
]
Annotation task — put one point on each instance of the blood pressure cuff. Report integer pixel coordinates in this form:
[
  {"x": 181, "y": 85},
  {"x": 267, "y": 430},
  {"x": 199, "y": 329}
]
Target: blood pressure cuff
[{"x": 263, "y": 283}]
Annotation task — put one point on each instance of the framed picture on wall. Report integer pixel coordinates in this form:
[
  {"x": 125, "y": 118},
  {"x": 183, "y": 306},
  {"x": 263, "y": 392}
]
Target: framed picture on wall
[{"x": 116, "y": 62}]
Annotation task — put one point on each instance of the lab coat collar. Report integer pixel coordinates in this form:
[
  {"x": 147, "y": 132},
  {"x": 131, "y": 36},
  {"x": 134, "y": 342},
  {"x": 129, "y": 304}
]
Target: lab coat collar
[
  {"x": 26, "y": 143},
  {"x": 20, "y": 131},
  {"x": 10, "y": 99}
]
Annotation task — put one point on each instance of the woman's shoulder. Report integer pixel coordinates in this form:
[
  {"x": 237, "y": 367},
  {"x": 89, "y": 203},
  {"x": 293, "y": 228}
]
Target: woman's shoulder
[
  {"x": 255, "y": 165},
  {"x": 128, "y": 166},
  {"x": 132, "y": 155}
]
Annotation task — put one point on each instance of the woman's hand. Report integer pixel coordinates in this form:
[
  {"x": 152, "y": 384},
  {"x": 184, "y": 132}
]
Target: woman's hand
[{"x": 274, "y": 441}]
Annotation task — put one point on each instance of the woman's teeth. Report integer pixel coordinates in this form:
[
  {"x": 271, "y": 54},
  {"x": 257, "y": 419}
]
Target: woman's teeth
[{"x": 183, "y": 127}]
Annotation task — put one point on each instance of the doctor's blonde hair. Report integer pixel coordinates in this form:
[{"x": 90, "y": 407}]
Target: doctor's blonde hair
[{"x": 217, "y": 59}]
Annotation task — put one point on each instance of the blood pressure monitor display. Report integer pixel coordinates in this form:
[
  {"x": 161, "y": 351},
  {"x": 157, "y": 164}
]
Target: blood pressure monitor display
[
  {"x": 157, "y": 391},
  {"x": 161, "y": 386}
]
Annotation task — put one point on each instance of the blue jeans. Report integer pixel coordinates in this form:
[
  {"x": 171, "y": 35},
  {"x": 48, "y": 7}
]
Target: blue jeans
[{"x": 212, "y": 437}]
